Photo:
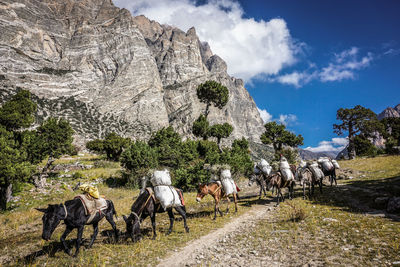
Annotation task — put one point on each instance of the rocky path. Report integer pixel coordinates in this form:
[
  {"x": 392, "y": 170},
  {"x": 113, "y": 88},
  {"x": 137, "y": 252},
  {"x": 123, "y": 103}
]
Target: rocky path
[{"x": 215, "y": 248}]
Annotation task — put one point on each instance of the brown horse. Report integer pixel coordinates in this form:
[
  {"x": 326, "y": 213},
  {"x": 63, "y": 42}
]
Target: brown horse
[
  {"x": 276, "y": 181},
  {"x": 216, "y": 191}
]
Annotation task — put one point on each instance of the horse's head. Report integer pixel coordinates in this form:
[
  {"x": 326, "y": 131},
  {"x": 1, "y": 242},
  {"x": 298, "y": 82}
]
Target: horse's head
[
  {"x": 202, "y": 190},
  {"x": 252, "y": 179},
  {"x": 132, "y": 225},
  {"x": 51, "y": 218}
]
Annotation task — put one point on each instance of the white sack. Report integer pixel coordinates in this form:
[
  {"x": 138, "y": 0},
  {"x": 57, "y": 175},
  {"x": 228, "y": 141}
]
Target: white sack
[
  {"x": 167, "y": 195},
  {"x": 264, "y": 166},
  {"x": 327, "y": 165},
  {"x": 229, "y": 186},
  {"x": 283, "y": 164},
  {"x": 287, "y": 174},
  {"x": 226, "y": 174},
  {"x": 336, "y": 164},
  {"x": 161, "y": 178},
  {"x": 302, "y": 164},
  {"x": 316, "y": 171}
]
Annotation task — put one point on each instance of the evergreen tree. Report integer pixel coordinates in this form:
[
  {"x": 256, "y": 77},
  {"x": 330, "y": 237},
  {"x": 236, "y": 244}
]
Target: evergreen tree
[
  {"x": 212, "y": 93},
  {"x": 113, "y": 146},
  {"x": 201, "y": 127},
  {"x": 220, "y": 131},
  {"x": 277, "y": 135},
  {"x": 18, "y": 112},
  {"x": 357, "y": 120}
]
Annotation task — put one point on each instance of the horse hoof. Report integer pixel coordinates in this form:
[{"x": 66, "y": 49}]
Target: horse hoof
[{"x": 187, "y": 229}]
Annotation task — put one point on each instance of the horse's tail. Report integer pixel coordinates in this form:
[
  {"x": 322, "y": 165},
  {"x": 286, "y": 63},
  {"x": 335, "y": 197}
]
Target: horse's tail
[{"x": 114, "y": 212}]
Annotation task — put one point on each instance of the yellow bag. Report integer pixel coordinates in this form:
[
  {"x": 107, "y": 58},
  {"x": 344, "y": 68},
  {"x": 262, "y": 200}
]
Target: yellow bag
[{"x": 90, "y": 189}]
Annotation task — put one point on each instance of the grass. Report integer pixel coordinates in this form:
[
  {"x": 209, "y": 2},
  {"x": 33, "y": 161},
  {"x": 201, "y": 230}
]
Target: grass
[
  {"x": 20, "y": 228},
  {"x": 330, "y": 229},
  {"x": 327, "y": 236}
]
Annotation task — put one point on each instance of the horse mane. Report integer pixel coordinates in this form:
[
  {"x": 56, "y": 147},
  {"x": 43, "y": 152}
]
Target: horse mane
[{"x": 140, "y": 201}]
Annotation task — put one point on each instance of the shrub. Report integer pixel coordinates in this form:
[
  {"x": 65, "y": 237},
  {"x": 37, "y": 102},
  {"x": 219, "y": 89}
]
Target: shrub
[
  {"x": 293, "y": 211},
  {"x": 139, "y": 157}
]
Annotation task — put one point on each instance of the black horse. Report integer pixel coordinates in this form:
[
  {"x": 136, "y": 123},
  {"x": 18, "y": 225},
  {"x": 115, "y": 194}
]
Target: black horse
[
  {"x": 73, "y": 214},
  {"x": 260, "y": 179},
  {"x": 331, "y": 173},
  {"x": 145, "y": 206}
]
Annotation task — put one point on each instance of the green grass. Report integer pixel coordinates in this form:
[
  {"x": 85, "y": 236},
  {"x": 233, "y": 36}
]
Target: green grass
[
  {"x": 327, "y": 230},
  {"x": 20, "y": 228},
  {"x": 326, "y": 236}
]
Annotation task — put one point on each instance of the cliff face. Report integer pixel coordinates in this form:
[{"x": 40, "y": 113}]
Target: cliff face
[
  {"x": 104, "y": 70},
  {"x": 390, "y": 113}
]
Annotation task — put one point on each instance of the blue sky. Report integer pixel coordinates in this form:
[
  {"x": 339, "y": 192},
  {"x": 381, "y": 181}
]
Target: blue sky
[{"x": 301, "y": 60}]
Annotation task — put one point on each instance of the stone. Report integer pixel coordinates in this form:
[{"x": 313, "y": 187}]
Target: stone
[
  {"x": 393, "y": 205},
  {"x": 104, "y": 70},
  {"x": 381, "y": 200}
]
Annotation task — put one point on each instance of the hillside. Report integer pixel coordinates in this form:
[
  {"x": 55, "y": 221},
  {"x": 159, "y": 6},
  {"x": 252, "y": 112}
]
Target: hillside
[{"x": 104, "y": 70}]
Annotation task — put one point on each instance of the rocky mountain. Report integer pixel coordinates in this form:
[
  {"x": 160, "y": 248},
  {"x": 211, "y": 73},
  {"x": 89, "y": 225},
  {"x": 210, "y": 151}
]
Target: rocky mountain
[
  {"x": 308, "y": 155},
  {"x": 104, "y": 70},
  {"x": 390, "y": 112}
]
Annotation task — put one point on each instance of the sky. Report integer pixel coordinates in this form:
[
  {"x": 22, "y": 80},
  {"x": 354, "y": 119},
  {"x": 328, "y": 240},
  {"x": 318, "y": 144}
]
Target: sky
[{"x": 301, "y": 60}]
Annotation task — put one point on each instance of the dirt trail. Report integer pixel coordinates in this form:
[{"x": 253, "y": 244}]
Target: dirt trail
[{"x": 194, "y": 252}]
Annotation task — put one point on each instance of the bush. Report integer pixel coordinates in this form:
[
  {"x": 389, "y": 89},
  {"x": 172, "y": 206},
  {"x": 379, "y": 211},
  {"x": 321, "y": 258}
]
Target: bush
[
  {"x": 168, "y": 144},
  {"x": 188, "y": 178},
  {"x": 364, "y": 147},
  {"x": 293, "y": 211},
  {"x": 139, "y": 157}
]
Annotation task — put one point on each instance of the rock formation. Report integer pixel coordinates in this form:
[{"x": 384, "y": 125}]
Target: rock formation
[{"x": 104, "y": 70}]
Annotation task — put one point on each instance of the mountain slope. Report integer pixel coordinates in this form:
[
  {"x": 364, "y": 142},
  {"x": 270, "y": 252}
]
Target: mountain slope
[{"x": 102, "y": 69}]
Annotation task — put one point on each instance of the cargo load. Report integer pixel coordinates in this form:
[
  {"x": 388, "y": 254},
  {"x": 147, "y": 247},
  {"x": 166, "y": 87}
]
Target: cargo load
[
  {"x": 326, "y": 164},
  {"x": 284, "y": 167},
  {"x": 316, "y": 171},
  {"x": 168, "y": 196},
  {"x": 227, "y": 182},
  {"x": 335, "y": 164},
  {"x": 284, "y": 164},
  {"x": 264, "y": 166},
  {"x": 161, "y": 178}
]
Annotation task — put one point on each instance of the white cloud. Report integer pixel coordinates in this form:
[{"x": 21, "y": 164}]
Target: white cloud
[
  {"x": 343, "y": 67},
  {"x": 251, "y": 48},
  {"x": 297, "y": 79},
  {"x": 265, "y": 116},
  {"x": 335, "y": 145},
  {"x": 287, "y": 119}
]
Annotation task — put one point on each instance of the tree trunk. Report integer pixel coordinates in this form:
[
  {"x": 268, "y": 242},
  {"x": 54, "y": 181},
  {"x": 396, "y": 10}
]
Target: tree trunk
[
  {"x": 207, "y": 110},
  {"x": 40, "y": 181},
  {"x": 5, "y": 196},
  {"x": 351, "y": 150}
]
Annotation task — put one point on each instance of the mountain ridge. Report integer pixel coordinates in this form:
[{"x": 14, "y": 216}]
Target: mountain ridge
[{"x": 104, "y": 70}]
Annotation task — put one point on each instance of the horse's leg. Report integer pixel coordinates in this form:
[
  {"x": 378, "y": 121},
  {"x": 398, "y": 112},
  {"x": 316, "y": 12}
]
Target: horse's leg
[
  {"x": 228, "y": 201},
  {"x": 304, "y": 190},
  {"x": 312, "y": 188},
  {"x": 219, "y": 204},
  {"x": 95, "y": 232},
  {"x": 171, "y": 220},
  {"x": 261, "y": 190},
  {"x": 235, "y": 201},
  {"x": 79, "y": 239},
  {"x": 182, "y": 212},
  {"x": 153, "y": 223},
  {"x": 109, "y": 218},
  {"x": 62, "y": 239}
]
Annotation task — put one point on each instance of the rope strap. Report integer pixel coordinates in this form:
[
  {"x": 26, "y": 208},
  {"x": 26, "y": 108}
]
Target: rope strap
[{"x": 66, "y": 212}]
